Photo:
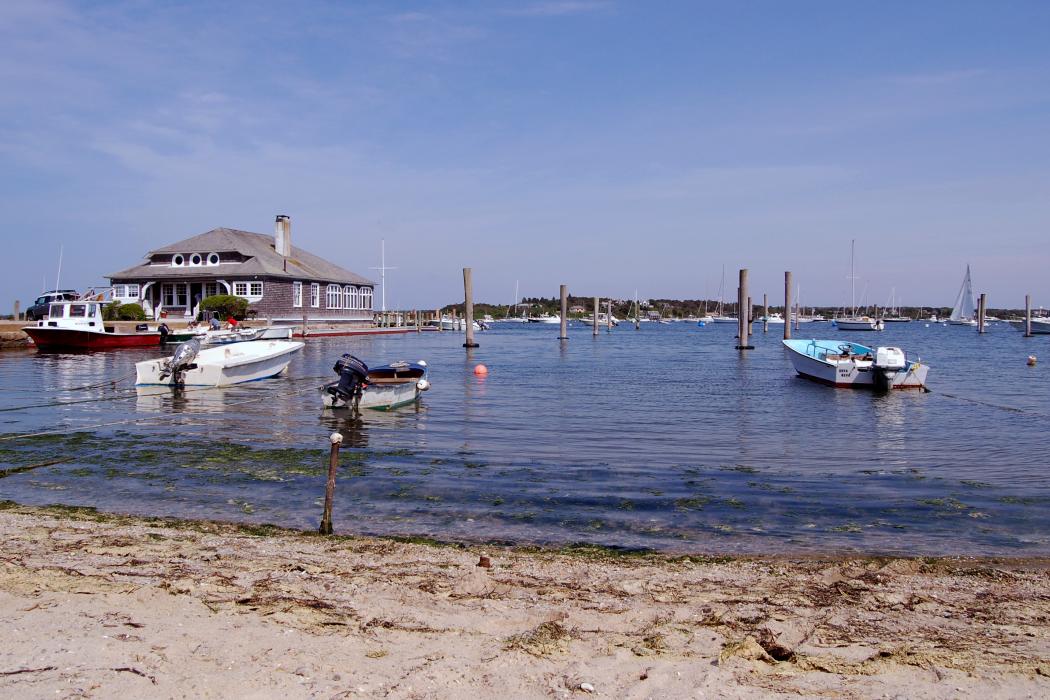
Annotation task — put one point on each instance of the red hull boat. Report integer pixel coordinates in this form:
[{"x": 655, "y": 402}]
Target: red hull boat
[{"x": 78, "y": 325}]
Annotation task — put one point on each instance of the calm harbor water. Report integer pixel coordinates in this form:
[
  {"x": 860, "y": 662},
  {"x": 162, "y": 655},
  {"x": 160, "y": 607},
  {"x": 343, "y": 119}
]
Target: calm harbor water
[{"x": 664, "y": 438}]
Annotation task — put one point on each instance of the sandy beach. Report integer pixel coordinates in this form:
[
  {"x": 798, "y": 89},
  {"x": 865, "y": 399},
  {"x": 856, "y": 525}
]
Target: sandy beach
[{"x": 96, "y": 605}]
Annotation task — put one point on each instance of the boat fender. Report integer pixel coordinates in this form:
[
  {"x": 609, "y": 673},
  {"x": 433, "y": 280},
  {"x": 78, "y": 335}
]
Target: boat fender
[{"x": 423, "y": 385}]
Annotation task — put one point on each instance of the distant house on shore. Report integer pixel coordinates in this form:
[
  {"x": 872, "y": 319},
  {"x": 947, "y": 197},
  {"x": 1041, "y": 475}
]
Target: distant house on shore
[{"x": 280, "y": 282}]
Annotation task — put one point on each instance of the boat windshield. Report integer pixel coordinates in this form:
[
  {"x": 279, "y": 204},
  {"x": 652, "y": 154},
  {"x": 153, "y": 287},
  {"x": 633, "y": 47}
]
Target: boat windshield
[
  {"x": 56, "y": 311},
  {"x": 78, "y": 310}
]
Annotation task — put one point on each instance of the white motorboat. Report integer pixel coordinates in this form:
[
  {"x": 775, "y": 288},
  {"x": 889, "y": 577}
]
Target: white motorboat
[
  {"x": 858, "y": 323},
  {"x": 545, "y": 319},
  {"x": 772, "y": 318},
  {"x": 1040, "y": 326},
  {"x": 844, "y": 364},
  {"x": 963, "y": 312},
  {"x": 235, "y": 363},
  {"x": 381, "y": 388},
  {"x": 447, "y": 323}
]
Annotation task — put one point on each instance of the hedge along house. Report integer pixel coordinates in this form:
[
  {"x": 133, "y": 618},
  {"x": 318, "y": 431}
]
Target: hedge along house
[{"x": 279, "y": 281}]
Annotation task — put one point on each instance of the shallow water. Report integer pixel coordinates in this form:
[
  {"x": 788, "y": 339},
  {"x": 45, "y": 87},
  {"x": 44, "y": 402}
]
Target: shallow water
[{"x": 664, "y": 438}]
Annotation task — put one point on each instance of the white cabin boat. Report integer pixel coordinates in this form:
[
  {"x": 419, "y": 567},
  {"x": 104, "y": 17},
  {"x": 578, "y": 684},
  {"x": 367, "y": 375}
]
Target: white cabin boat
[
  {"x": 220, "y": 366},
  {"x": 858, "y": 323},
  {"x": 556, "y": 319},
  {"x": 844, "y": 364}
]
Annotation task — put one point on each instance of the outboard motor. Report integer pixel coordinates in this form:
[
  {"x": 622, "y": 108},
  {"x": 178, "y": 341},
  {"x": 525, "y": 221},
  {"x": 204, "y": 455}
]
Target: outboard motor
[
  {"x": 352, "y": 375},
  {"x": 181, "y": 361},
  {"x": 888, "y": 362}
]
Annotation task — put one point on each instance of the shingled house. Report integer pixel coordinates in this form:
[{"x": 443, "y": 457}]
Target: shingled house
[{"x": 280, "y": 281}]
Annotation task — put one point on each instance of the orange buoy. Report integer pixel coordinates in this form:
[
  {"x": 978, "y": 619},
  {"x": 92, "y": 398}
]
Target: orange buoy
[
  {"x": 1031, "y": 360},
  {"x": 481, "y": 370}
]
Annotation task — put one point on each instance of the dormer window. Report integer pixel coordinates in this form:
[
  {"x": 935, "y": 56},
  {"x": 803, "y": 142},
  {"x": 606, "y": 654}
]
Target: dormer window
[
  {"x": 196, "y": 259},
  {"x": 213, "y": 258},
  {"x": 178, "y": 260}
]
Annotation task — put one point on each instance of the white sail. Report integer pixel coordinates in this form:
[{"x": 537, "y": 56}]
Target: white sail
[{"x": 964, "y": 306}]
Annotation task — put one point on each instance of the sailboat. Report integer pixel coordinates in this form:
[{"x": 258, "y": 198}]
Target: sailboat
[
  {"x": 963, "y": 311},
  {"x": 894, "y": 310},
  {"x": 855, "y": 322},
  {"x": 719, "y": 316}
]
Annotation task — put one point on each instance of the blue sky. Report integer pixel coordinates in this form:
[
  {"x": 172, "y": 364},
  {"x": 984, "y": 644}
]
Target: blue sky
[{"x": 612, "y": 146}]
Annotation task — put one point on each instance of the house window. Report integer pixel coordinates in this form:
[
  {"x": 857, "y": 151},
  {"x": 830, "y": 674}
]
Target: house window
[
  {"x": 119, "y": 291},
  {"x": 211, "y": 289},
  {"x": 213, "y": 258},
  {"x": 132, "y": 292},
  {"x": 249, "y": 290},
  {"x": 315, "y": 295},
  {"x": 174, "y": 294},
  {"x": 177, "y": 260},
  {"x": 349, "y": 297},
  {"x": 334, "y": 296},
  {"x": 297, "y": 294},
  {"x": 366, "y": 298},
  {"x": 196, "y": 259}
]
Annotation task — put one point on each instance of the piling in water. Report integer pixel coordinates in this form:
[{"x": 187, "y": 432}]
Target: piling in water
[
  {"x": 765, "y": 313},
  {"x": 608, "y": 316},
  {"x": 1027, "y": 315},
  {"x": 744, "y": 313},
  {"x": 787, "y": 305},
  {"x": 329, "y": 489},
  {"x": 563, "y": 326},
  {"x": 468, "y": 308},
  {"x": 437, "y": 315},
  {"x": 982, "y": 308},
  {"x": 18, "y": 313},
  {"x": 595, "y": 319}
]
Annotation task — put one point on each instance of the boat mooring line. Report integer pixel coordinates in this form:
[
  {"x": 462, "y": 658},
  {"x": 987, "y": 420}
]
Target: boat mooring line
[{"x": 1012, "y": 409}]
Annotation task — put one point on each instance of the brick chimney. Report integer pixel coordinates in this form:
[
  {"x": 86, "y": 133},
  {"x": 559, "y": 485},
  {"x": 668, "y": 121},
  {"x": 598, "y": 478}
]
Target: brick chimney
[{"x": 282, "y": 235}]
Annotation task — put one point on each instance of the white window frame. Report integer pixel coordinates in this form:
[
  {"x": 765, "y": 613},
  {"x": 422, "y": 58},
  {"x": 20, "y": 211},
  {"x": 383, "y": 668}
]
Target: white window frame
[
  {"x": 119, "y": 291},
  {"x": 297, "y": 294},
  {"x": 174, "y": 294},
  {"x": 367, "y": 295},
  {"x": 333, "y": 297},
  {"x": 248, "y": 289},
  {"x": 315, "y": 294},
  {"x": 132, "y": 291},
  {"x": 211, "y": 289}
]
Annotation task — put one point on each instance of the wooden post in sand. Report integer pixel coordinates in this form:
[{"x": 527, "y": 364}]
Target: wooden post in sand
[
  {"x": 787, "y": 305},
  {"x": 595, "y": 320},
  {"x": 1027, "y": 315},
  {"x": 18, "y": 313},
  {"x": 468, "y": 308},
  {"x": 982, "y": 309},
  {"x": 329, "y": 489},
  {"x": 743, "y": 313},
  {"x": 563, "y": 328},
  {"x": 765, "y": 313}
]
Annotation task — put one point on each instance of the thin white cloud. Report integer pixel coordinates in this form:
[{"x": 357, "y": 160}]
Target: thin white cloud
[
  {"x": 560, "y": 8},
  {"x": 940, "y": 78}
]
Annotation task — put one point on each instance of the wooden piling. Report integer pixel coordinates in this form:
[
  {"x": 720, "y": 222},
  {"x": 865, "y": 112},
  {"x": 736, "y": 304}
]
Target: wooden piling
[
  {"x": 608, "y": 316},
  {"x": 765, "y": 313},
  {"x": 437, "y": 315},
  {"x": 563, "y": 327},
  {"x": 1027, "y": 315},
  {"x": 304, "y": 323},
  {"x": 743, "y": 313},
  {"x": 595, "y": 319},
  {"x": 982, "y": 310},
  {"x": 329, "y": 489},
  {"x": 787, "y": 305},
  {"x": 468, "y": 308},
  {"x": 797, "y": 312},
  {"x": 18, "y": 310},
  {"x": 415, "y": 317}
]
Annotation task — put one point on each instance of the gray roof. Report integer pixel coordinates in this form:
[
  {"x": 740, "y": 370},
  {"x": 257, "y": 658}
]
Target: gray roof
[{"x": 261, "y": 259}]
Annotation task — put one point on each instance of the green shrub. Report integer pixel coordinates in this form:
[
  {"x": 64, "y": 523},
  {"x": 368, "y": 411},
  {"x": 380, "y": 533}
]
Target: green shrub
[
  {"x": 225, "y": 305},
  {"x": 115, "y": 311}
]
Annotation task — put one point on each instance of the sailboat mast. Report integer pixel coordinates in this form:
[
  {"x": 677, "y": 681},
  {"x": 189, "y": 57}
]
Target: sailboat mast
[
  {"x": 58, "y": 277},
  {"x": 852, "y": 278}
]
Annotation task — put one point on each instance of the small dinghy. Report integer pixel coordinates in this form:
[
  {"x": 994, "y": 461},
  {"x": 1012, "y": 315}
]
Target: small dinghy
[
  {"x": 220, "y": 366},
  {"x": 844, "y": 364},
  {"x": 381, "y": 388}
]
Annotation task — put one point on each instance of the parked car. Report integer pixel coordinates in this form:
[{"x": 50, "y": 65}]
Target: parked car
[{"x": 39, "y": 308}]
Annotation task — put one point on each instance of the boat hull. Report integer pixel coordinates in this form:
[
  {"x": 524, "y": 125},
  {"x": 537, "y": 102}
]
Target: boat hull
[
  {"x": 858, "y": 325},
  {"x": 47, "y": 338},
  {"x": 388, "y": 387},
  {"x": 224, "y": 366},
  {"x": 806, "y": 358}
]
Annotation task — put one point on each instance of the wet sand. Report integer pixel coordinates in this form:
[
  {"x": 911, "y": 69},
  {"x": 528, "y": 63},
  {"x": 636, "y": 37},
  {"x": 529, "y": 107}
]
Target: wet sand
[{"x": 94, "y": 605}]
